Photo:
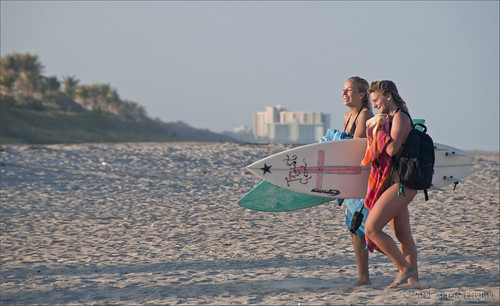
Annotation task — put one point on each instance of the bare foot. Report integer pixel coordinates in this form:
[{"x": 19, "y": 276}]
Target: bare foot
[
  {"x": 403, "y": 277},
  {"x": 363, "y": 282},
  {"x": 413, "y": 283}
]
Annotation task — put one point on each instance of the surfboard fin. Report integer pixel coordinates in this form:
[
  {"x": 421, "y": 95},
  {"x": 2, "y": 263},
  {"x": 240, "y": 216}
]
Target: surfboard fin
[{"x": 451, "y": 178}]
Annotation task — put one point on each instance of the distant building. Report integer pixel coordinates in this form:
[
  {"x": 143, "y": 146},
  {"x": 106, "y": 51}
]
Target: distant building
[
  {"x": 242, "y": 129},
  {"x": 279, "y": 125},
  {"x": 241, "y": 133}
]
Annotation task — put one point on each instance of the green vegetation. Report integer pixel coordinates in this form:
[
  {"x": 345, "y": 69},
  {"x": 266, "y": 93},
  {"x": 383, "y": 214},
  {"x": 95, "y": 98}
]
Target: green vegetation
[{"x": 38, "y": 109}]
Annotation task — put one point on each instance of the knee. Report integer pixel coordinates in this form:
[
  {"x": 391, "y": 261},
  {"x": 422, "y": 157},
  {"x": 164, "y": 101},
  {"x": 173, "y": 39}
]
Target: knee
[{"x": 370, "y": 231}]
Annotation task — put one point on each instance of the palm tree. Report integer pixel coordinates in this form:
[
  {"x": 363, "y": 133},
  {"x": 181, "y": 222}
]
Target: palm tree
[
  {"x": 27, "y": 82},
  {"x": 103, "y": 90},
  {"x": 70, "y": 83},
  {"x": 29, "y": 69},
  {"x": 20, "y": 73},
  {"x": 8, "y": 75},
  {"x": 82, "y": 96},
  {"x": 7, "y": 83}
]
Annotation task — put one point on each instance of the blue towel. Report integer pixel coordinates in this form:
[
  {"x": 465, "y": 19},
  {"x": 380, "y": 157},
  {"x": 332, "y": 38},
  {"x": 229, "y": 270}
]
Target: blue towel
[
  {"x": 352, "y": 205},
  {"x": 334, "y": 134}
]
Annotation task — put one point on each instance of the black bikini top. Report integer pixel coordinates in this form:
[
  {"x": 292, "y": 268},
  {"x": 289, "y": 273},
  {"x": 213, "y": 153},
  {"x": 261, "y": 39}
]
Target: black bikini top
[{"x": 353, "y": 127}]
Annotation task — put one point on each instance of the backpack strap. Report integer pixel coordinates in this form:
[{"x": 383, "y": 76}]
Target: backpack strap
[
  {"x": 397, "y": 111},
  {"x": 408, "y": 114}
]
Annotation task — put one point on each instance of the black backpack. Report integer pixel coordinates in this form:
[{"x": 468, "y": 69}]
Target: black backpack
[{"x": 415, "y": 167}]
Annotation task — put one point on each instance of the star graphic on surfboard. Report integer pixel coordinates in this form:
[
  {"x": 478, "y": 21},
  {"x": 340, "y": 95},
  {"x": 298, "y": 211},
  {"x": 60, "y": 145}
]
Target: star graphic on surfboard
[{"x": 266, "y": 169}]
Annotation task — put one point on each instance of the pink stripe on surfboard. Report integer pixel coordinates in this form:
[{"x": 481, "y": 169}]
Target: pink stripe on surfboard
[{"x": 328, "y": 169}]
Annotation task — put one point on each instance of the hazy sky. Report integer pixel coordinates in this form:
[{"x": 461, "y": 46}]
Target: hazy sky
[{"x": 213, "y": 64}]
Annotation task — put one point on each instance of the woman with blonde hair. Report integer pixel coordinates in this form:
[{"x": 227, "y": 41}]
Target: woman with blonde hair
[
  {"x": 391, "y": 206},
  {"x": 356, "y": 98}
]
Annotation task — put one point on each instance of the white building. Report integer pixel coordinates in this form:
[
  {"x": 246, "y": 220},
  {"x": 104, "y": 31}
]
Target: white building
[{"x": 279, "y": 125}]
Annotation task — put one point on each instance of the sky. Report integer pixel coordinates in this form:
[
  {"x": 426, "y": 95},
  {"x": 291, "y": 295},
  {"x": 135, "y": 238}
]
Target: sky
[{"x": 212, "y": 64}]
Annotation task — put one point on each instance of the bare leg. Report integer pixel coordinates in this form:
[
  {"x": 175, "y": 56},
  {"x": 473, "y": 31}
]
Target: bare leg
[
  {"x": 402, "y": 229},
  {"x": 388, "y": 206},
  {"x": 361, "y": 252}
]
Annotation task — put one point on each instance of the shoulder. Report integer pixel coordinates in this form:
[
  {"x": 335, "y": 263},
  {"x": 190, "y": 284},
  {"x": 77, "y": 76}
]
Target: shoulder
[
  {"x": 401, "y": 126},
  {"x": 401, "y": 118},
  {"x": 365, "y": 114}
]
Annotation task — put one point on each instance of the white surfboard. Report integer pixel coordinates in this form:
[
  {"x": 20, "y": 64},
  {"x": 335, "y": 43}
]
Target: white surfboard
[{"x": 332, "y": 169}]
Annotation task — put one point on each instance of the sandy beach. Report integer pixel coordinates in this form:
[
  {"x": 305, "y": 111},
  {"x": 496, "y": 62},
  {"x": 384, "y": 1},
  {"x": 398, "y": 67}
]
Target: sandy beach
[{"x": 158, "y": 223}]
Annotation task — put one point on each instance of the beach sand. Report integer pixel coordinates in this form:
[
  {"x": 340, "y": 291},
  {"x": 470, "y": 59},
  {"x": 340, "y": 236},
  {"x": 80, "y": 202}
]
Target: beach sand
[{"x": 159, "y": 223}]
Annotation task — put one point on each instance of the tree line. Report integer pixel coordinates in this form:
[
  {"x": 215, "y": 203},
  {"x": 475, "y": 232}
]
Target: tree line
[{"x": 23, "y": 85}]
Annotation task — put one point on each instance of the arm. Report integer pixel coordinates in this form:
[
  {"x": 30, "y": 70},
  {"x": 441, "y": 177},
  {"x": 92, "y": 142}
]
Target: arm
[{"x": 401, "y": 126}]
